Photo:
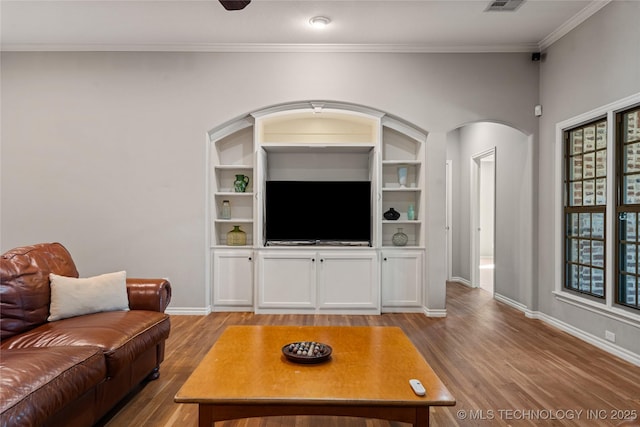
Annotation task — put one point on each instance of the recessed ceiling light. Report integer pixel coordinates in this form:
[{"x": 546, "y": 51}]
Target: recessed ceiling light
[{"x": 319, "y": 21}]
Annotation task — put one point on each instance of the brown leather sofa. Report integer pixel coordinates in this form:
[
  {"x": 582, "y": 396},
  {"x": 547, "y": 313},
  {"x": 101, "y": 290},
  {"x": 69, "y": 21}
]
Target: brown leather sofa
[{"x": 71, "y": 372}]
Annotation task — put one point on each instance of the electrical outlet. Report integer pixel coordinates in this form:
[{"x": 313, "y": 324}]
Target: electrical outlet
[{"x": 610, "y": 336}]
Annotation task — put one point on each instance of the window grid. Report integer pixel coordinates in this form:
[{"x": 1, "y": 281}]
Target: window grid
[
  {"x": 585, "y": 258},
  {"x": 628, "y": 208},
  {"x": 585, "y": 206}
]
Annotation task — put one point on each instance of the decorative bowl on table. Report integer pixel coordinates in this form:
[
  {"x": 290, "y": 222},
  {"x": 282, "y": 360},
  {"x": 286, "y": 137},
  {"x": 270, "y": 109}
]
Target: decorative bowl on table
[{"x": 307, "y": 352}]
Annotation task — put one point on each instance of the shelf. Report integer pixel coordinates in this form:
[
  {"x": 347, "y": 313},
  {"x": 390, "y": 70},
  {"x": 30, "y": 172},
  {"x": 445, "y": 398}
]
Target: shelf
[
  {"x": 233, "y": 167},
  {"x": 400, "y": 189},
  {"x": 235, "y": 221},
  {"x": 233, "y": 193},
  {"x": 401, "y": 163},
  {"x": 318, "y": 147},
  {"x": 402, "y": 221}
]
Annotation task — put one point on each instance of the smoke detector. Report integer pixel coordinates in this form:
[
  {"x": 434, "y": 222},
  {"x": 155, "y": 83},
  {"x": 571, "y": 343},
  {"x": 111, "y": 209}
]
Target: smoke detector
[{"x": 504, "y": 5}]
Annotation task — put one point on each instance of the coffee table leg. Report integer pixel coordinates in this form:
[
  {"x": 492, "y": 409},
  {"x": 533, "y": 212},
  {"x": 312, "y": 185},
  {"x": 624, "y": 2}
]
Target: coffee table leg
[
  {"x": 422, "y": 417},
  {"x": 205, "y": 416}
]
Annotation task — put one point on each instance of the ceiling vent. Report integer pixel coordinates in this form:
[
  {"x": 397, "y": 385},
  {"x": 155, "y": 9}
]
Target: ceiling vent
[{"x": 504, "y": 5}]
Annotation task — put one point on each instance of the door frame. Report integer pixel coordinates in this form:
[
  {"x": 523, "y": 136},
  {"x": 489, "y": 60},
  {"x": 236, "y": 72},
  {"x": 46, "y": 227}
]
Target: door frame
[
  {"x": 475, "y": 213},
  {"x": 449, "y": 217}
]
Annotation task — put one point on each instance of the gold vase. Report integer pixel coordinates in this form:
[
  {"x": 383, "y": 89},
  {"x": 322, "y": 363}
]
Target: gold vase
[{"x": 236, "y": 237}]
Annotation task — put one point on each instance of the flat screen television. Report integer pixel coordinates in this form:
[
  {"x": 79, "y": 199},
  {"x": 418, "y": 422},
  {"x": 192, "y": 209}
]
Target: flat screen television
[{"x": 318, "y": 212}]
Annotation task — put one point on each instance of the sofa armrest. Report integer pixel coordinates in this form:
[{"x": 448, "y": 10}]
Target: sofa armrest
[{"x": 148, "y": 294}]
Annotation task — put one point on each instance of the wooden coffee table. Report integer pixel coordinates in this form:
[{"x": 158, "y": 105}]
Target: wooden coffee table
[{"x": 246, "y": 375}]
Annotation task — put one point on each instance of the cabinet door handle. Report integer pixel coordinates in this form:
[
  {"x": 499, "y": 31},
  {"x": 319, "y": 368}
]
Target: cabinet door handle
[
  {"x": 385, "y": 258},
  {"x": 250, "y": 259},
  {"x": 321, "y": 260},
  {"x": 313, "y": 260}
]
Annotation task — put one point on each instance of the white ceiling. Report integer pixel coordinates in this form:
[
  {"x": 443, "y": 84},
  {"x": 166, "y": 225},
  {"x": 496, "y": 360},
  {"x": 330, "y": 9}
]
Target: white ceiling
[{"x": 282, "y": 25}]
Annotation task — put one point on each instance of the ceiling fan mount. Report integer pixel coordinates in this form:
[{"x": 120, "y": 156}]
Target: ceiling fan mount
[{"x": 234, "y": 4}]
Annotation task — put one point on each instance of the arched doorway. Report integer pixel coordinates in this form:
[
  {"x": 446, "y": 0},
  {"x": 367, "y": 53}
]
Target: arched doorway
[{"x": 500, "y": 155}]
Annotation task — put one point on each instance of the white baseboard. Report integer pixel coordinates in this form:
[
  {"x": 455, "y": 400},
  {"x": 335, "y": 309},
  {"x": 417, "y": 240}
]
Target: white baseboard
[
  {"x": 602, "y": 344},
  {"x": 391, "y": 309},
  {"x": 220, "y": 309},
  {"x": 512, "y": 303},
  {"x": 462, "y": 281},
  {"x": 438, "y": 312},
  {"x": 188, "y": 311}
]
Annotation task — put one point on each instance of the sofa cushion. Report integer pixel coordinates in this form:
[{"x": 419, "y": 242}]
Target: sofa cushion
[
  {"x": 24, "y": 285},
  {"x": 72, "y": 297},
  {"x": 122, "y": 335},
  {"x": 35, "y": 383}
]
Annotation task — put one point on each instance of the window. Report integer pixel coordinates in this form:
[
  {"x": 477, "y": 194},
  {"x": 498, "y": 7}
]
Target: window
[
  {"x": 598, "y": 217},
  {"x": 628, "y": 207},
  {"x": 585, "y": 208}
]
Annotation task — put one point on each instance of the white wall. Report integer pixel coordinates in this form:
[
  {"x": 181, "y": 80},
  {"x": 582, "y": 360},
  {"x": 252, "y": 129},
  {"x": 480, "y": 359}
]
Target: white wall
[
  {"x": 105, "y": 152},
  {"x": 594, "y": 65}
]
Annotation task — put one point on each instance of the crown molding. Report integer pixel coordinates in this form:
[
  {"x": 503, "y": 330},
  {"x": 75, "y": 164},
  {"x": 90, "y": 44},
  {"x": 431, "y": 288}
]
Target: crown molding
[
  {"x": 572, "y": 23},
  {"x": 593, "y": 7},
  {"x": 267, "y": 47}
]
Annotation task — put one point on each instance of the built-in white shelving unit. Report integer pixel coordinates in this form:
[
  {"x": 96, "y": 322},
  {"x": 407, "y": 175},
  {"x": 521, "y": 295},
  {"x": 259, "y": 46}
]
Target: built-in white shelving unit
[
  {"x": 305, "y": 142},
  {"x": 402, "y": 150},
  {"x": 231, "y": 155}
]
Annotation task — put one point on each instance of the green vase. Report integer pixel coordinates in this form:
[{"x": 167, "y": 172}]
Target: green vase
[
  {"x": 240, "y": 184},
  {"x": 236, "y": 237}
]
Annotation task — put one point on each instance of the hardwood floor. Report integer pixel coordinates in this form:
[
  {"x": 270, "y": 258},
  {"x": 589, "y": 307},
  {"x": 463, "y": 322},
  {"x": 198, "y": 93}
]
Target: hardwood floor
[{"x": 503, "y": 369}]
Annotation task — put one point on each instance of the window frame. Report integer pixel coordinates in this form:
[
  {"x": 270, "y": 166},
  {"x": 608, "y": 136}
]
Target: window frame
[
  {"x": 621, "y": 207},
  {"x": 606, "y": 307},
  {"x": 583, "y": 209}
]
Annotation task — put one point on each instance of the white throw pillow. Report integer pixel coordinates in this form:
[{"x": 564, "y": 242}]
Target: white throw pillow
[{"x": 74, "y": 297}]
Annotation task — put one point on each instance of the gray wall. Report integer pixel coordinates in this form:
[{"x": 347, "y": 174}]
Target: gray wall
[
  {"x": 105, "y": 152},
  {"x": 594, "y": 65}
]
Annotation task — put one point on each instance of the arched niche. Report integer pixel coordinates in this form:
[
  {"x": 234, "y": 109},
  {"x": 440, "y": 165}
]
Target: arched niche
[{"x": 336, "y": 131}]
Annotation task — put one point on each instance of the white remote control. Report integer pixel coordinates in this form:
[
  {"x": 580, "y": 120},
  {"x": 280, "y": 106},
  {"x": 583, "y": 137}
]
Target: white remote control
[{"x": 417, "y": 387}]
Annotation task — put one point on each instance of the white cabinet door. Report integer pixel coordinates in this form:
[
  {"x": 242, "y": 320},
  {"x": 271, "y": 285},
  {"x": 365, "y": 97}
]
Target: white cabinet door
[
  {"x": 348, "y": 281},
  {"x": 286, "y": 280},
  {"x": 402, "y": 280},
  {"x": 233, "y": 278}
]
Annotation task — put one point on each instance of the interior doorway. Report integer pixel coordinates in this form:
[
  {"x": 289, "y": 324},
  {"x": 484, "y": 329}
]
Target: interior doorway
[
  {"x": 449, "y": 217},
  {"x": 483, "y": 205},
  {"x": 513, "y": 208}
]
